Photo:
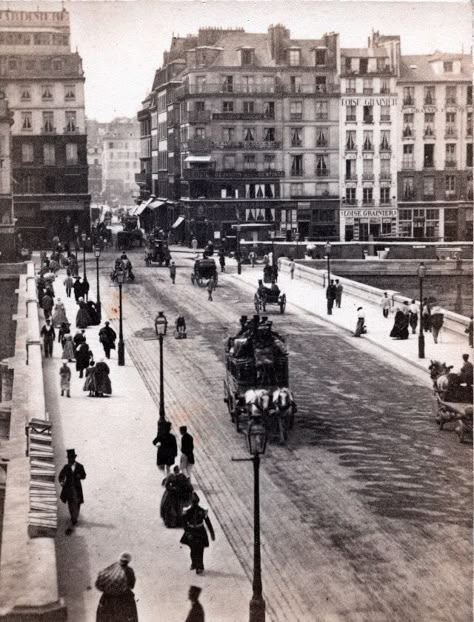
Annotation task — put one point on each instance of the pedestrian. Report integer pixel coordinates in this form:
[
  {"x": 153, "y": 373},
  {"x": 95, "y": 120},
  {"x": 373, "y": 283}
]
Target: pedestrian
[
  {"x": 47, "y": 305},
  {"x": 400, "y": 325},
  {"x": 79, "y": 337},
  {"x": 68, "y": 283},
  {"x": 330, "y": 296},
  {"x": 196, "y": 613},
  {"x": 59, "y": 314},
  {"x": 186, "y": 461},
  {"x": 210, "y": 287},
  {"x": 426, "y": 316},
  {"x": 385, "y": 304},
  {"x": 437, "y": 320},
  {"x": 103, "y": 386},
  {"x": 195, "y": 534},
  {"x": 82, "y": 317},
  {"x": 107, "y": 337},
  {"x": 360, "y": 326},
  {"x": 89, "y": 382},
  {"x": 83, "y": 356},
  {"x": 176, "y": 497},
  {"x": 468, "y": 331},
  {"x": 252, "y": 258},
  {"x": 292, "y": 268},
  {"x": 167, "y": 450},
  {"x": 413, "y": 318},
  {"x": 49, "y": 335},
  {"x": 222, "y": 260},
  {"x": 68, "y": 348},
  {"x": 194, "y": 244},
  {"x": 266, "y": 260},
  {"x": 116, "y": 582},
  {"x": 65, "y": 379},
  {"x": 180, "y": 327},
  {"x": 339, "y": 290},
  {"x": 85, "y": 289},
  {"x": 466, "y": 371},
  {"x": 77, "y": 287},
  {"x": 172, "y": 270},
  {"x": 71, "y": 493}
]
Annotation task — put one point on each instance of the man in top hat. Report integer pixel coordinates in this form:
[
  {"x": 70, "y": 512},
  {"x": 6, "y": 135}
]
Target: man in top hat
[
  {"x": 49, "y": 335},
  {"x": 77, "y": 287},
  {"x": 70, "y": 479},
  {"x": 196, "y": 613}
]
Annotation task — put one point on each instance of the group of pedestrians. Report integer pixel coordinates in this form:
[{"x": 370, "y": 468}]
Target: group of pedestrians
[
  {"x": 333, "y": 294},
  {"x": 407, "y": 317}
]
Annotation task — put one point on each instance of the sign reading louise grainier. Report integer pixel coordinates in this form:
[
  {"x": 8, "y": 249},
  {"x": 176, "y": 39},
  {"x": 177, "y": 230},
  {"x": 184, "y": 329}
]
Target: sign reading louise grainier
[
  {"x": 367, "y": 212},
  {"x": 369, "y": 101}
]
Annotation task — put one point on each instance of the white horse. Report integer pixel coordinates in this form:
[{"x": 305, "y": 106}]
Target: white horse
[
  {"x": 285, "y": 409},
  {"x": 258, "y": 402}
]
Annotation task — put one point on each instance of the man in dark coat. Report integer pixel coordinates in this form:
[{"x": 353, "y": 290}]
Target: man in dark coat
[
  {"x": 331, "y": 293},
  {"x": 77, "y": 287},
  {"x": 167, "y": 450},
  {"x": 196, "y": 613},
  {"x": 195, "y": 535},
  {"x": 83, "y": 356},
  {"x": 70, "y": 479},
  {"x": 186, "y": 461},
  {"x": 47, "y": 304},
  {"x": 107, "y": 337},
  {"x": 49, "y": 335}
]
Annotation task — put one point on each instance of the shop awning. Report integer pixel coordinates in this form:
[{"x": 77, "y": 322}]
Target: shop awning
[
  {"x": 202, "y": 159},
  {"x": 156, "y": 203},
  {"x": 179, "y": 221},
  {"x": 133, "y": 211},
  {"x": 62, "y": 206},
  {"x": 143, "y": 206}
]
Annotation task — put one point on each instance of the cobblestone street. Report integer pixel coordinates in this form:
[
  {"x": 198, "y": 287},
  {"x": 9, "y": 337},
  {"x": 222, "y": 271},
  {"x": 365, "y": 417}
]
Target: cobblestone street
[{"x": 366, "y": 514}]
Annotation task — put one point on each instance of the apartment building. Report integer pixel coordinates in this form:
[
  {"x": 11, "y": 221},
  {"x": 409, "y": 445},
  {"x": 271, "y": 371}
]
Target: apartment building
[
  {"x": 435, "y": 145},
  {"x": 7, "y": 228},
  {"x": 368, "y": 145},
  {"x": 120, "y": 161},
  {"x": 43, "y": 82}
]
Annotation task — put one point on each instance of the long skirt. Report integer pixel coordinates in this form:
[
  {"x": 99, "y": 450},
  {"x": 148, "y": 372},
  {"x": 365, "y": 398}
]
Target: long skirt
[
  {"x": 68, "y": 350},
  {"x": 59, "y": 316},
  {"x": 171, "y": 509},
  {"x": 117, "y": 608},
  {"x": 82, "y": 319}
]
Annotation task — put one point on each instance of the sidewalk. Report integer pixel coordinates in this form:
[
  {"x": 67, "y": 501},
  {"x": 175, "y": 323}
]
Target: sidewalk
[
  {"x": 112, "y": 438},
  {"x": 312, "y": 298}
]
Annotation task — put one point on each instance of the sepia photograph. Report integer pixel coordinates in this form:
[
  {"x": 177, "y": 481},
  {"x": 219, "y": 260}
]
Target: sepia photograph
[{"x": 246, "y": 226}]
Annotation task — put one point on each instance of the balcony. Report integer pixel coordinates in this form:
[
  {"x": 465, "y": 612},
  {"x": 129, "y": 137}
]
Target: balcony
[
  {"x": 351, "y": 148},
  {"x": 248, "y": 146},
  {"x": 367, "y": 91},
  {"x": 296, "y": 116},
  {"x": 385, "y": 148},
  {"x": 198, "y": 145},
  {"x": 450, "y": 195},
  {"x": 368, "y": 176},
  {"x": 450, "y": 133},
  {"x": 71, "y": 130},
  {"x": 312, "y": 89},
  {"x": 367, "y": 147},
  {"x": 429, "y": 134},
  {"x": 250, "y": 173},
  {"x": 469, "y": 131},
  {"x": 368, "y": 202},
  {"x": 197, "y": 116},
  {"x": 408, "y": 133},
  {"x": 428, "y": 164},
  {"x": 322, "y": 172},
  {"x": 296, "y": 143},
  {"x": 351, "y": 118},
  {"x": 385, "y": 175},
  {"x": 322, "y": 116},
  {"x": 410, "y": 195},
  {"x": 47, "y": 129},
  {"x": 384, "y": 91},
  {"x": 368, "y": 120},
  {"x": 428, "y": 197},
  {"x": 450, "y": 164},
  {"x": 351, "y": 91},
  {"x": 408, "y": 165},
  {"x": 385, "y": 118},
  {"x": 350, "y": 177},
  {"x": 451, "y": 101},
  {"x": 408, "y": 101},
  {"x": 216, "y": 88},
  {"x": 239, "y": 116},
  {"x": 297, "y": 173},
  {"x": 322, "y": 144},
  {"x": 347, "y": 201},
  {"x": 429, "y": 101}
]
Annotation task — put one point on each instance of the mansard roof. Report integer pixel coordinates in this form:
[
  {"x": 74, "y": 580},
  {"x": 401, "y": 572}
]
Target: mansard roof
[{"x": 419, "y": 68}]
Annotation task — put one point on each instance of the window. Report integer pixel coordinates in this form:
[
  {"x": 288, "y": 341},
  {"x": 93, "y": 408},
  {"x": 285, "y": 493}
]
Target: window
[
  {"x": 249, "y": 162},
  {"x": 70, "y": 92},
  {"x": 408, "y": 120},
  {"x": 450, "y": 183},
  {"x": 450, "y": 124},
  {"x": 428, "y": 187},
  {"x": 351, "y": 170},
  {"x": 229, "y": 162},
  {"x": 385, "y": 169},
  {"x": 321, "y": 166},
  {"x": 408, "y": 159},
  {"x": 200, "y": 132},
  {"x": 296, "y": 134},
  {"x": 363, "y": 65},
  {"x": 296, "y": 110},
  {"x": 382, "y": 64},
  {"x": 350, "y": 86},
  {"x": 447, "y": 67},
  {"x": 408, "y": 188},
  {"x": 469, "y": 96},
  {"x": 367, "y": 87},
  {"x": 384, "y": 86},
  {"x": 248, "y": 84},
  {"x": 351, "y": 196},
  {"x": 368, "y": 114},
  {"x": 269, "y": 161},
  {"x": 351, "y": 140},
  {"x": 12, "y": 64},
  {"x": 71, "y": 121},
  {"x": 385, "y": 113},
  {"x": 429, "y": 99},
  {"x": 57, "y": 64},
  {"x": 269, "y": 110},
  {"x": 297, "y": 165},
  {"x": 227, "y": 106},
  {"x": 322, "y": 139},
  {"x": 200, "y": 84},
  {"x": 269, "y": 134},
  {"x": 321, "y": 111},
  {"x": 246, "y": 57},
  {"x": 228, "y": 134},
  {"x": 50, "y": 184},
  {"x": 368, "y": 142},
  {"x": 228, "y": 84},
  {"x": 367, "y": 196},
  {"x": 48, "y": 121},
  {"x": 248, "y": 107},
  {"x": 321, "y": 86},
  {"x": 268, "y": 84},
  {"x": 408, "y": 95},
  {"x": 469, "y": 154},
  {"x": 469, "y": 123},
  {"x": 295, "y": 84},
  {"x": 294, "y": 57},
  {"x": 351, "y": 112},
  {"x": 27, "y": 152},
  {"x": 46, "y": 93},
  {"x": 249, "y": 134},
  {"x": 322, "y": 190},
  {"x": 368, "y": 169},
  {"x": 348, "y": 64},
  {"x": 429, "y": 123},
  {"x": 385, "y": 140},
  {"x": 71, "y": 153},
  {"x": 25, "y": 93},
  {"x": 450, "y": 154},
  {"x": 30, "y": 65},
  {"x": 296, "y": 190},
  {"x": 428, "y": 156},
  {"x": 26, "y": 121},
  {"x": 384, "y": 196},
  {"x": 450, "y": 95},
  {"x": 320, "y": 58}
]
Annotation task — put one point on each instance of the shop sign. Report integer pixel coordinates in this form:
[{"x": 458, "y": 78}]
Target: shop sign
[
  {"x": 380, "y": 213},
  {"x": 369, "y": 101}
]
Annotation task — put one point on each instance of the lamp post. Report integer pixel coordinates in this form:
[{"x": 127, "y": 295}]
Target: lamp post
[
  {"x": 257, "y": 440},
  {"x": 98, "y": 306},
  {"x": 421, "y": 337},
  {"x": 121, "y": 345},
  {"x": 297, "y": 238},
  {"x": 161, "y": 325},
  {"x": 327, "y": 248},
  {"x": 84, "y": 238},
  {"x": 76, "y": 243},
  {"x": 239, "y": 258}
]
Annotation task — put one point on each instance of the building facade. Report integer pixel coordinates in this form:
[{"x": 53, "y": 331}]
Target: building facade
[
  {"x": 435, "y": 144},
  {"x": 43, "y": 82},
  {"x": 7, "y": 222}
]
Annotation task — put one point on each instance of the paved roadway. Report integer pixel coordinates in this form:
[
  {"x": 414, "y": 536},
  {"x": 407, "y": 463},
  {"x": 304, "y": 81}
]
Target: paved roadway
[{"x": 366, "y": 515}]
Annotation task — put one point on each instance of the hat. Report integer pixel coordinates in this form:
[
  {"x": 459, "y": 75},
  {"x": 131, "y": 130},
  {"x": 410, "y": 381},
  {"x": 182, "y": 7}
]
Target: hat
[
  {"x": 107, "y": 323},
  {"x": 195, "y": 498},
  {"x": 71, "y": 453},
  {"x": 125, "y": 557},
  {"x": 195, "y": 590},
  {"x": 359, "y": 308}
]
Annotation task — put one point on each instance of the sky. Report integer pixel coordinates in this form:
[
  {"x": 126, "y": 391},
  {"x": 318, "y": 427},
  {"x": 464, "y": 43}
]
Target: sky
[{"x": 122, "y": 41}]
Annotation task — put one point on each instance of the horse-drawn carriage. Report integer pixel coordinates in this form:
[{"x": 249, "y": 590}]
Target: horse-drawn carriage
[
  {"x": 130, "y": 235},
  {"x": 157, "y": 251},
  {"x": 269, "y": 296},
  {"x": 256, "y": 383},
  {"x": 203, "y": 270},
  {"x": 270, "y": 273},
  {"x": 122, "y": 265},
  {"x": 452, "y": 402}
]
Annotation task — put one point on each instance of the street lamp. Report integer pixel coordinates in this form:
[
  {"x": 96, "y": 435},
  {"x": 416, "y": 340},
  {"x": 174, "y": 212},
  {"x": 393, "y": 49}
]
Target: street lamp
[
  {"x": 421, "y": 337},
  {"x": 257, "y": 440},
  {"x": 297, "y": 238},
  {"x": 76, "y": 243},
  {"x": 84, "y": 238},
  {"x": 161, "y": 325},
  {"x": 121, "y": 345},
  {"x": 327, "y": 248},
  {"x": 239, "y": 258},
  {"x": 98, "y": 306}
]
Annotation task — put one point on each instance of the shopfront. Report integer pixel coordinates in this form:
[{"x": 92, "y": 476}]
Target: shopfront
[{"x": 362, "y": 223}]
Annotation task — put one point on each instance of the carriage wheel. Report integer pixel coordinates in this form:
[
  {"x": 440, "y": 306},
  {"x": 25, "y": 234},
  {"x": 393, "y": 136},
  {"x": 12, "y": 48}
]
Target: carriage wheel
[{"x": 192, "y": 278}]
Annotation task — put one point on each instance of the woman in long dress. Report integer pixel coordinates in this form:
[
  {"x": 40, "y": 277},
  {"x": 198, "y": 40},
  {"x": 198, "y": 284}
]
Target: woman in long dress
[
  {"x": 82, "y": 317},
  {"x": 102, "y": 382},
  {"x": 117, "y": 603},
  {"x": 176, "y": 496},
  {"x": 59, "y": 314},
  {"x": 68, "y": 349},
  {"x": 400, "y": 326}
]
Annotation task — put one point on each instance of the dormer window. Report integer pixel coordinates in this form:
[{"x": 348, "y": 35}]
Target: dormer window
[
  {"x": 294, "y": 57},
  {"x": 246, "y": 57},
  {"x": 320, "y": 57},
  {"x": 447, "y": 67}
]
